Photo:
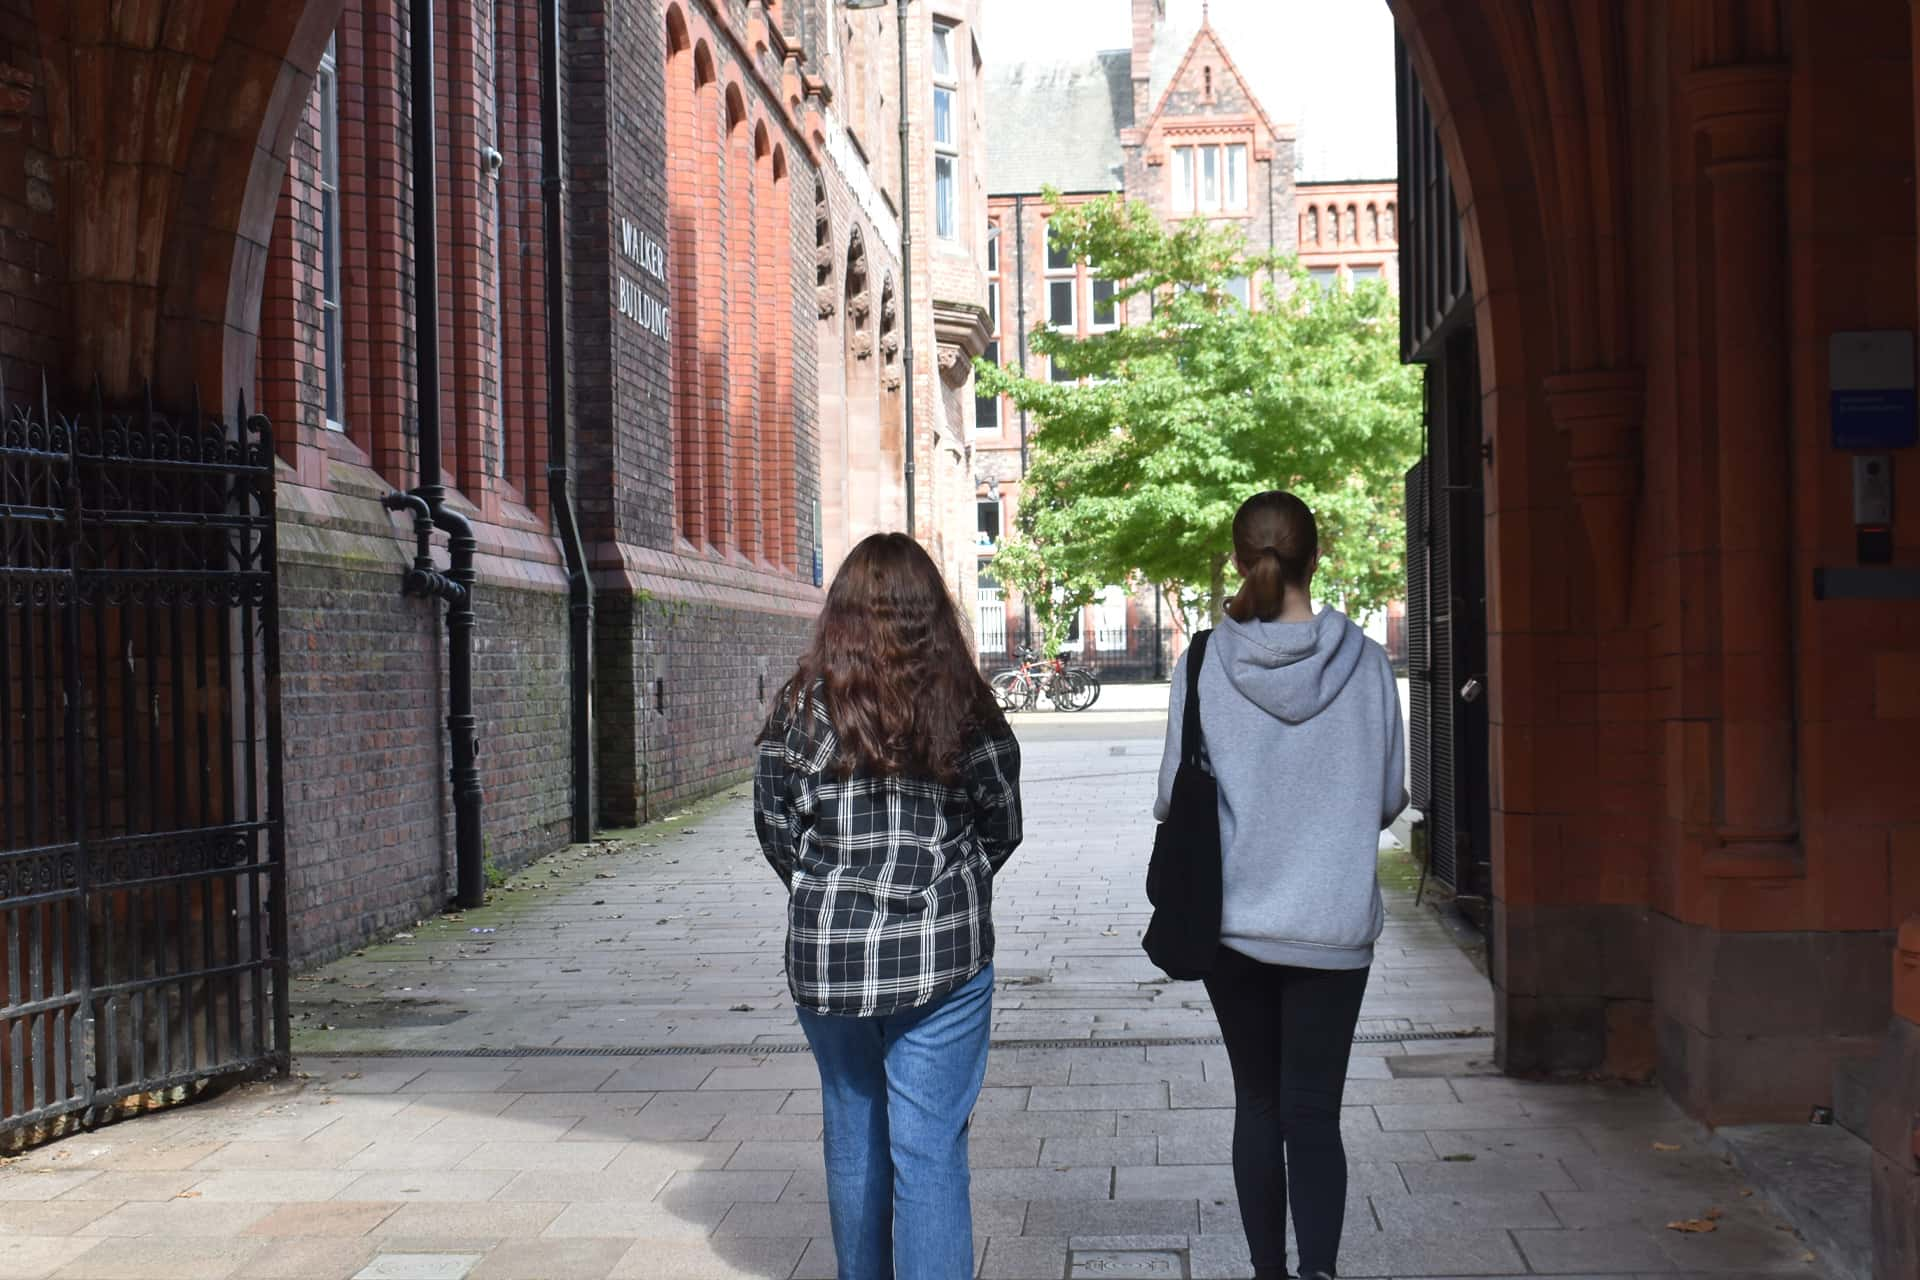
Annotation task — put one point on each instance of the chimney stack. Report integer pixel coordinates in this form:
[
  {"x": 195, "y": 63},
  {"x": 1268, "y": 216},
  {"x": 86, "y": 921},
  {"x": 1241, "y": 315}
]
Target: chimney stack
[{"x": 1148, "y": 15}]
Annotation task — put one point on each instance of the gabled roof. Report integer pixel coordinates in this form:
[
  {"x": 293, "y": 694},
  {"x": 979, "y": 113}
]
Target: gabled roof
[
  {"x": 1058, "y": 124},
  {"x": 1208, "y": 38}
]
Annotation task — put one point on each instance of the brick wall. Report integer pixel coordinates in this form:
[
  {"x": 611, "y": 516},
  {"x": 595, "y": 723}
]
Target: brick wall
[
  {"x": 700, "y": 459},
  {"x": 369, "y": 805}
]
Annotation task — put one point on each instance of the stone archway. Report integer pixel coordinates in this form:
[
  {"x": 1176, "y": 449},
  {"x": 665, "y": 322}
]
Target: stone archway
[
  {"x": 1550, "y": 1014},
  {"x": 169, "y": 223}
]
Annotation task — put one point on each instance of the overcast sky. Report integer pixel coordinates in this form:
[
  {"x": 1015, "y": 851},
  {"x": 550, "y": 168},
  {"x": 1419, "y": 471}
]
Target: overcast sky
[{"x": 1323, "y": 65}]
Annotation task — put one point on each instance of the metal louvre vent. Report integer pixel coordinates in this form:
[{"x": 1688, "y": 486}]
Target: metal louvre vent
[
  {"x": 1419, "y": 644},
  {"x": 1443, "y": 819}
]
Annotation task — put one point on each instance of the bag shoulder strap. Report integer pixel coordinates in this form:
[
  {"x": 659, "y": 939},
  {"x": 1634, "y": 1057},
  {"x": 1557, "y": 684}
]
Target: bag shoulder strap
[{"x": 1192, "y": 743}]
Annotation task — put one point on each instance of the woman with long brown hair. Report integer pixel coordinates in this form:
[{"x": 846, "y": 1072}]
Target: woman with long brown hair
[{"x": 887, "y": 796}]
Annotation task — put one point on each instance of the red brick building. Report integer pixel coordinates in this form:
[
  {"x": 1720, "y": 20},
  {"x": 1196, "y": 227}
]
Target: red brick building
[
  {"x": 259, "y": 237},
  {"x": 693, "y": 403},
  {"x": 1667, "y": 308},
  {"x": 1173, "y": 122}
]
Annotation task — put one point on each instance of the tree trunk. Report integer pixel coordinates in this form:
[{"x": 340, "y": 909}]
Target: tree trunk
[{"x": 1217, "y": 590}]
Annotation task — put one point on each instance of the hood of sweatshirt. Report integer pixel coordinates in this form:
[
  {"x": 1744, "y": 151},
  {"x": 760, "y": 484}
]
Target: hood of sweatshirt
[{"x": 1291, "y": 670}]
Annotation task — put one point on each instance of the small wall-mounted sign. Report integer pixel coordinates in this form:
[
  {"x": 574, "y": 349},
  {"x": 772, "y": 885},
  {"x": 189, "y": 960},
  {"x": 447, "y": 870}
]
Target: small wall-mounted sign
[
  {"x": 1870, "y": 376},
  {"x": 633, "y": 301}
]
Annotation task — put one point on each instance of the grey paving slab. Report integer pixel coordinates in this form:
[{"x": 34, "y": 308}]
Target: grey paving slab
[
  {"x": 691, "y": 1147},
  {"x": 717, "y": 1259},
  {"x": 552, "y": 1260},
  {"x": 29, "y": 1185},
  {"x": 633, "y": 1220},
  {"x": 1112, "y": 1218},
  {"x": 1024, "y": 1258},
  {"x": 164, "y": 1260},
  {"x": 1488, "y": 1173},
  {"x": 1576, "y": 1250},
  {"x": 311, "y": 1258}
]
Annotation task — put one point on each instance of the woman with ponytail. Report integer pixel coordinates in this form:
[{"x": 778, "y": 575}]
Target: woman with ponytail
[{"x": 1300, "y": 715}]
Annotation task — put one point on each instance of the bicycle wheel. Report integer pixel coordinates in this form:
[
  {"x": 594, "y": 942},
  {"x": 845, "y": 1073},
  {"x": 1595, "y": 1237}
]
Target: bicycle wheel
[
  {"x": 1086, "y": 688},
  {"x": 1012, "y": 690},
  {"x": 1069, "y": 693}
]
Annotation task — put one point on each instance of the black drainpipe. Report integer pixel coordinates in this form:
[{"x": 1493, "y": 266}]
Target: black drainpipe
[
  {"x": 427, "y": 502},
  {"x": 579, "y": 585},
  {"x": 1020, "y": 321}
]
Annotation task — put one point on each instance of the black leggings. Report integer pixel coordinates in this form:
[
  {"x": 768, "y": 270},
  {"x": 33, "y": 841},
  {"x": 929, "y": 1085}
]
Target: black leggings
[{"x": 1289, "y": 1032}]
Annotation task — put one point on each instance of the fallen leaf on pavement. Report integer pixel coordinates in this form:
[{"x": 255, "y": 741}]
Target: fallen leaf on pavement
[
  {"x": 1694, "y": 1226},
  {"x": 1666, "y": 1146}
]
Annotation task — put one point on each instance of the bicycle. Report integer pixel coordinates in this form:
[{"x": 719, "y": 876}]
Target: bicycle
[{"x": 1020, "y": 688}]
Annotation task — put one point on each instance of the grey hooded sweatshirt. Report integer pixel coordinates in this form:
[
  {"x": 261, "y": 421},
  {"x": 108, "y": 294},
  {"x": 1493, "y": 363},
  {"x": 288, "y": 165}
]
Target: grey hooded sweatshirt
[{"x": 1303, "y": 733}]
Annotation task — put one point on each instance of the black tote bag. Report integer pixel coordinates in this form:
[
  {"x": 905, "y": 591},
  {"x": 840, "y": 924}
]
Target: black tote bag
[{"x": 1183, "y": 877}]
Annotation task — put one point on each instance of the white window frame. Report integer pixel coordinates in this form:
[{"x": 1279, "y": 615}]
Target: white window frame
[
  {"x": 332, "y": 331},
  {"x": 1071, "y": 282},
  {"x": 1233, "y": 178},
  {"x": 999, "y": 418},
  {"x": 946, "y": 152},
  {"x": 999, "y": 519},
  {"x": 990, "y": 619},
  {"x": 1222, "y": 164},
  {"x": 993, "y": 307},
  {"x": 993, "y": 248},
  {"x": 1110, "y": 636},
  {"x": 1094, "y": 323}
]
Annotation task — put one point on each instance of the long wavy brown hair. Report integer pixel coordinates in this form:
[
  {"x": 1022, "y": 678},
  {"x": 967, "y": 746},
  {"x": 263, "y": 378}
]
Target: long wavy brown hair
[{"x": 890, "y": 657}]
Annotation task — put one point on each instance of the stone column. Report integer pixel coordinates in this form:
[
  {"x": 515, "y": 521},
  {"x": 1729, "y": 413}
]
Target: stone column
[{"x": 1740, "y": 115}]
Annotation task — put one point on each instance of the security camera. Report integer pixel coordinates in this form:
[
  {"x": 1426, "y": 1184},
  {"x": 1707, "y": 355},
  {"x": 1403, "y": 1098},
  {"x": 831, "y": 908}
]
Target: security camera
[{"x": 492, "y": 161}]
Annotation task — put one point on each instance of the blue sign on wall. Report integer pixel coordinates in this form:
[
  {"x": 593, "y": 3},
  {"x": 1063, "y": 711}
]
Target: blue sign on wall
[{"x": 1870, "y": 377}]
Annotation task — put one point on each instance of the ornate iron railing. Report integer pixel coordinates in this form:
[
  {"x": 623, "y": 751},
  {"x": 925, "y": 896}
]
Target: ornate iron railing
[{"x": 142, "y": 853}]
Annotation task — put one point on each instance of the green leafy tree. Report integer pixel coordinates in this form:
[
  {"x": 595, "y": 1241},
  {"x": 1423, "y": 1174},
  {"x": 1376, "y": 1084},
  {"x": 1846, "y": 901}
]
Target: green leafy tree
[{"x": 1199, "y": 401}]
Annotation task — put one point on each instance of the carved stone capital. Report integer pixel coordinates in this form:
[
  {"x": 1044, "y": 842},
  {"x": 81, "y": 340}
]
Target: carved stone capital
[
  {"x": 1741, "y": 111},
  {"x": 862, "y": 345},
  {"x": 1598, "y": 411}
]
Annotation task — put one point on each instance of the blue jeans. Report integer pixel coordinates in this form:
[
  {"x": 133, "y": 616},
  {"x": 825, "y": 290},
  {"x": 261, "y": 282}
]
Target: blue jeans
[{"x": 896, "y": 1095}]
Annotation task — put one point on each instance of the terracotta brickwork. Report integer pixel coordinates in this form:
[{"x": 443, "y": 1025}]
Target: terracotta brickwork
[
  {"x": 1349, "y": 228},
  {"x": 218, "y": 246},
  {"x": 1701, "y": 761}
]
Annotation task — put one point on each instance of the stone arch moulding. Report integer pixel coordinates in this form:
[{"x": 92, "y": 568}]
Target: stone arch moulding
[{"x": 220, "y": 85}]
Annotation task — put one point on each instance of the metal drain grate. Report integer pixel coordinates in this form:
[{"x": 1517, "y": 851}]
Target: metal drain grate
[{"x": 795, "y": 1046}]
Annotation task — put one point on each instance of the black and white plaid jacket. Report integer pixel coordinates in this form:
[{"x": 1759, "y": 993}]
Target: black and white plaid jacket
[{"x": 891, "y": 879}]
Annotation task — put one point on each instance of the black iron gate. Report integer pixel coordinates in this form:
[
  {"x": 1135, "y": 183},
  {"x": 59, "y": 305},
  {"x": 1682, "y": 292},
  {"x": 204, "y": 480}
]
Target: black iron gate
[{"x": 142, "y": 853}]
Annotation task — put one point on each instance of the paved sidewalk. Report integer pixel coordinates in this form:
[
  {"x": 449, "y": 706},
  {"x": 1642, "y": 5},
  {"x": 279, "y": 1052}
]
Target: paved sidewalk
[{"x": 599, "y": 1076}]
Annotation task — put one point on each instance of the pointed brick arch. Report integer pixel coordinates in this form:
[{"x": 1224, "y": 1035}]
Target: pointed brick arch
[
  {"x": 780, "y": 536},
  {"x": 168, "y": 248},
  {"x": 735, "y": 393}
]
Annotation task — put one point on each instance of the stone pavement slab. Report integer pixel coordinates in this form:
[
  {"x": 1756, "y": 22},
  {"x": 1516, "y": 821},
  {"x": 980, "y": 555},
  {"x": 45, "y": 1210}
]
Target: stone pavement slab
[{"x": 612, "y": 1084}]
